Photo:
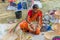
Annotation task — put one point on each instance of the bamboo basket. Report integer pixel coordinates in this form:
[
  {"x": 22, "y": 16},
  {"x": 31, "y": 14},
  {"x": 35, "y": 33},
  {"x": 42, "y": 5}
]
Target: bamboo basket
[{"x": 52, "y": 34}]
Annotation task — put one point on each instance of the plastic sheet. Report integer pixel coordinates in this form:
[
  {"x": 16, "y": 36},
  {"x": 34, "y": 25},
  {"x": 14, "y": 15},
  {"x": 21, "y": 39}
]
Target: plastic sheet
[
  {"x": 11, "y": 8},
  {"x": 24, "y": 5},
  {"x": 19, "y": 6}
]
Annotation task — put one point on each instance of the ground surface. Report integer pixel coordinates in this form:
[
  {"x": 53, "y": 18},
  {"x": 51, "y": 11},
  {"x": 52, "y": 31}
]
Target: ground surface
[
  {"x": 47, "y": 5},
  {"x": 7, "y": 15}
]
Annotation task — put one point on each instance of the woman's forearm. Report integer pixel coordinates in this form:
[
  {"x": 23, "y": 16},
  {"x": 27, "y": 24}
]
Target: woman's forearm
[{"x": 40, "y": 21}]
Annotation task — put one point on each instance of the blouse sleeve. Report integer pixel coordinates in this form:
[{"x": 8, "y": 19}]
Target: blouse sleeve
[{"x": 29, "y": 12}]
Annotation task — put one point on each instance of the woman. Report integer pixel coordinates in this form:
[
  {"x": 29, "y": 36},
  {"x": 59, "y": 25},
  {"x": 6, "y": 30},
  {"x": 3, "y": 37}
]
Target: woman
[
  {"x": 34, "y": 16},
  {"x": 12, "y": 2},
  {"x": 3, "y": 0}
]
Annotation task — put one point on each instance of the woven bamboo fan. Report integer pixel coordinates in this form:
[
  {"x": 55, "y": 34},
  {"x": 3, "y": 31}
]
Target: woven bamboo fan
[
  {"x": 57, "y": 14},
  {"x": 56, "y": 28},
  {"x": 55, "y": 32},
  {"x": 50, "y": 35}
]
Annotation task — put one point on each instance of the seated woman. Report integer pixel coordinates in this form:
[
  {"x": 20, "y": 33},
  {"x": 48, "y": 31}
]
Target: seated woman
[{"x": 33, "y": 22}]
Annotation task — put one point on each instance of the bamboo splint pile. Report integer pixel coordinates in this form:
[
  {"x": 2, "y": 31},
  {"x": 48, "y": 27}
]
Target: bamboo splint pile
[
  {"x": 17, "y": 35},
  {"x": 4, "y": 13},
  {"x": 7, "y": 14}
]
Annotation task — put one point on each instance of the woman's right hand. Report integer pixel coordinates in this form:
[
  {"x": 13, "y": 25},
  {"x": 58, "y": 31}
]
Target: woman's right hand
[{"x": 31, "y": 27}]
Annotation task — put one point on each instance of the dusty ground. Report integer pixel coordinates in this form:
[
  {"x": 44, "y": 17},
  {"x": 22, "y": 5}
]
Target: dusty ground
[{"x": 47, "y": 5}]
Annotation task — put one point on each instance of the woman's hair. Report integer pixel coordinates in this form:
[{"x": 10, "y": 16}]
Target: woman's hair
[
  {"x": 35, "y": 6},
  {"x": 51, "y": 12}
]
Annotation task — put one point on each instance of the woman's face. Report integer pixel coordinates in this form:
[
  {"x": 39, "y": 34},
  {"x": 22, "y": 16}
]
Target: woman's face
[{"x": 35, "y": 9}]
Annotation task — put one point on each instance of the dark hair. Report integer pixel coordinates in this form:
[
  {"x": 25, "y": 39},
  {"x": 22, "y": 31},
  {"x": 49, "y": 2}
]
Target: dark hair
[
  {"x": 52, "y": 12},
  {"x": 35, "y": 6}
]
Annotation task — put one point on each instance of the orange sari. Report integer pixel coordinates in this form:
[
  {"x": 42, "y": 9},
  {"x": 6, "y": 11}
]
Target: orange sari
[{"x": 35, "y": 17}]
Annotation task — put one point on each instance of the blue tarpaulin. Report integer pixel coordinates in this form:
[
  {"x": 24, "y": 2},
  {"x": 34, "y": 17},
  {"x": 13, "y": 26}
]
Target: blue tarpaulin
[
  {"x": 19, "y": 6},
  {"x": 24, "y": 5}
]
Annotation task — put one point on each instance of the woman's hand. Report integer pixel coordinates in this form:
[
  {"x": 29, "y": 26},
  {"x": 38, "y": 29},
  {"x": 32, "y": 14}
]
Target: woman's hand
[{"x": 31, "y": 27}]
